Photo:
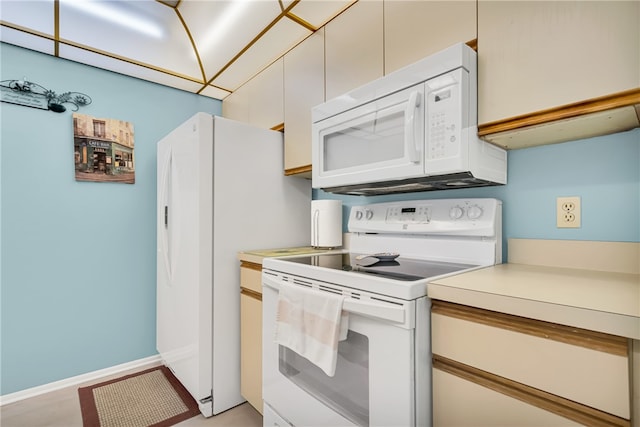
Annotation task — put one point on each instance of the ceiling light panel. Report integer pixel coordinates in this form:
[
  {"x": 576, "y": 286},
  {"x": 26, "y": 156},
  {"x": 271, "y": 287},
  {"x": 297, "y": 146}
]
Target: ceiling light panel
[
  {"x": 145, "y": 30},
  {"x": 35, "y": 15},
  {"x": 214, "y": 27},
  {"x": 171, "y": 3},
  {"x": 278, "y": 40},
  {"x": 122, "y": 67},
  {"x": 319, "y": 12}
]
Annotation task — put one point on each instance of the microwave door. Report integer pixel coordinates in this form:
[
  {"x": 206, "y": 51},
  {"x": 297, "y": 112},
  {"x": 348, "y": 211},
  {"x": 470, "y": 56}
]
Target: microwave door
[{"x": 378, "y": 141}]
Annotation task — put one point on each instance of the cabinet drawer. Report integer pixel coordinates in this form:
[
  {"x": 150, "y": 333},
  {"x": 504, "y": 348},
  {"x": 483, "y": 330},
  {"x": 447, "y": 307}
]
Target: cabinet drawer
[
  {"x": 586, "y": 367},
  {"x": 459, "y": 402},
  {"x": 251, "y": 350},
  {"x": 251, "y": 276}
]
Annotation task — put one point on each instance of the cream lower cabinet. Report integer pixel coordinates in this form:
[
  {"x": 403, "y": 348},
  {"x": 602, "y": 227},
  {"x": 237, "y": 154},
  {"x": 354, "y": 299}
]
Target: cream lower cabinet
[
  {"x": 251, "y": 333},
  {"x": 463, "y": 402},
  {"x": 494, "y": 369}
]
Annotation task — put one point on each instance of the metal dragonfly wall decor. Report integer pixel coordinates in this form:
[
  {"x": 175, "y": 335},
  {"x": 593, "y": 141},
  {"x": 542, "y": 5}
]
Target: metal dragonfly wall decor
[{"x": 30, "y": 94}]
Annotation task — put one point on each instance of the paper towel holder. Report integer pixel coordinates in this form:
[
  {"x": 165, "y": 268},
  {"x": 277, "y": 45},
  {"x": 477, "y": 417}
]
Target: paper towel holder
[{"x": 326, "y": 224}]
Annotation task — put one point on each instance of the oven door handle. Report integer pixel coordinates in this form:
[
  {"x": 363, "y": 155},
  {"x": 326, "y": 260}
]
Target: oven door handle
[
  {"x": 382, "y": 311},
  {"x": 376, "y": 310}
]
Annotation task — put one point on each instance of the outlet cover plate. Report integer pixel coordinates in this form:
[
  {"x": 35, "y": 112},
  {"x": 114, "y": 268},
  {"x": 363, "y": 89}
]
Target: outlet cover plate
[{"x": 568, "y": 212}]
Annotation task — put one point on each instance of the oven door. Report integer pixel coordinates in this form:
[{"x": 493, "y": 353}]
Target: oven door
[
  {"x": 378, "y": 141},
  {"x": 375, "y": 383}
]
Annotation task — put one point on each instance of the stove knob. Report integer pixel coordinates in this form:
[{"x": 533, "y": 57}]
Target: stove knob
[
  {"x": 474, "y": 212},
  {"x": 368, "y": 213},
  {"x": 456, "y": 212},
  {"x": 358, "y": 215}
]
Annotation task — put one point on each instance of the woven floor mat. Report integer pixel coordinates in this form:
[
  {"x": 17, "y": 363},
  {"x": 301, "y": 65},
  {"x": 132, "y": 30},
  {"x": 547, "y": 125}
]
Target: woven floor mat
[{"x": 150, "y": 398}]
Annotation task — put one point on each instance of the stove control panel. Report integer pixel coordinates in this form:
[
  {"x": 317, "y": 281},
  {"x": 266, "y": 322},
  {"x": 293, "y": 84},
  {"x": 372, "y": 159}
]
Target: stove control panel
[
  {"x": 474, "y": 217},
  {"x": 408, "y": 214}
]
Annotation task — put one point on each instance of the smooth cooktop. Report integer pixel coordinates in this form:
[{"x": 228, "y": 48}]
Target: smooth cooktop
[{"x": 404, "y": 269}]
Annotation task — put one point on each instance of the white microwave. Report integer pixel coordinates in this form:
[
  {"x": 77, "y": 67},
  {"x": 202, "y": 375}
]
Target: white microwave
[{"x": 412, "y": 130}]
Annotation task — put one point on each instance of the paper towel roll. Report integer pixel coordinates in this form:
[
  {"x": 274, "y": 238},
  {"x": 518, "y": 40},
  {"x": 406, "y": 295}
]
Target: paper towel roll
[{"x": 326, "y": 223}]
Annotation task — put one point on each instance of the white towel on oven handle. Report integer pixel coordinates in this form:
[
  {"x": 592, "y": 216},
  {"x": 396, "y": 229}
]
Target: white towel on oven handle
[{"x": 311, "y": 323}]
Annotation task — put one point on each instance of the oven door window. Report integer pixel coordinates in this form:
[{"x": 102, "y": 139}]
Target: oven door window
[{"x": 347, "y": 392}]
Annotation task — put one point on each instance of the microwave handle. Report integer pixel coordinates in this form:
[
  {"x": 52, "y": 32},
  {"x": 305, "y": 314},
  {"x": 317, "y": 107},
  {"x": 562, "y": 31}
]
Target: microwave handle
[{"x": 409, "y": 126}]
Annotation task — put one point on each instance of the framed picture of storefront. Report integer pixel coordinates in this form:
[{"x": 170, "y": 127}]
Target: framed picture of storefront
[{"x": 103, "y": 149}]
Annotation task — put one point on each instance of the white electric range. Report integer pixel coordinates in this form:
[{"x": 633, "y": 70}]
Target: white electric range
[{"x": 383, "y": 370}]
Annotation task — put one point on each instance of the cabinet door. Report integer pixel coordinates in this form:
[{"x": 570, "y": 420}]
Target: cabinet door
[
  {"x": 458, "y": 402},
  {"x": 416, "y": 29},
  {"x": 266, "y": 103},
  {"x": 536, "y": 55},
  {"x": 303, "y": 89},
  {"x": 556, "y": 359},
  {"x": 251, "y": 350},
  {"x": 236, "y": 105},
  {"x": 635, "y": 391},
  {"x": 354, "y": 48}
]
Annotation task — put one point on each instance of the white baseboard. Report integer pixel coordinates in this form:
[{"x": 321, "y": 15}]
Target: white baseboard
[{"x": 141, "y": 364}]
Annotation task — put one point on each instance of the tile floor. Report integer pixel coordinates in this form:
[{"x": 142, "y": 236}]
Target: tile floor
[{"x": 62, "y": 409}]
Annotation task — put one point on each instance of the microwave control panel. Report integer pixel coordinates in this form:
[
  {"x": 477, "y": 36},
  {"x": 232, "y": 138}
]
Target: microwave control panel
[{"x": 443, "y": 115}]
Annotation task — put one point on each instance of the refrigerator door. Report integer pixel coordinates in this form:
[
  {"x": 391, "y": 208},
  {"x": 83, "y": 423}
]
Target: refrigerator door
[
  {"x": 255, "y": 206},
  {"x": 184, "y": 253}
]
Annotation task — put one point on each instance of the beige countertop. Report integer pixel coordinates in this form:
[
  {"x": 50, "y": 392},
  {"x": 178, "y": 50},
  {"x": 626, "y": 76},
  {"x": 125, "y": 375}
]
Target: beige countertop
[
  {"x": 256, "y": 256},
  {"x": 604, "y": 301}
]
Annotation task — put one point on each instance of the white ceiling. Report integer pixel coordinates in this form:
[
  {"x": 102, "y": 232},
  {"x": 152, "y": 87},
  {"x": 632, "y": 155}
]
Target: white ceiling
[{"x": 209, "y": 47}]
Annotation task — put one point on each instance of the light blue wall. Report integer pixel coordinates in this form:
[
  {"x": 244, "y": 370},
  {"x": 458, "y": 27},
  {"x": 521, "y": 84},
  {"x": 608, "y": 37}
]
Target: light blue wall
[
  {"x": 78, "y": 259},
  {"x": 603, "y": 171}
]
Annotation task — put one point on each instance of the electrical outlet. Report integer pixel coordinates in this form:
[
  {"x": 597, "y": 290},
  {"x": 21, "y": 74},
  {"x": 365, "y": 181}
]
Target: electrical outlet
[{"x": 568, "y": 212}]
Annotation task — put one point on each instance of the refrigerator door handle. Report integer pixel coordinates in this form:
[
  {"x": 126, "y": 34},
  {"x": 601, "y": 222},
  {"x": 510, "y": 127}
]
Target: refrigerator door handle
[
  {"x": 315, "y": 228},
  {"x": 165, "y": 196}
]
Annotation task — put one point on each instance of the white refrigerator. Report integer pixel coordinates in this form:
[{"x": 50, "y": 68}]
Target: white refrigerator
[{"x": 221, "y": 189}]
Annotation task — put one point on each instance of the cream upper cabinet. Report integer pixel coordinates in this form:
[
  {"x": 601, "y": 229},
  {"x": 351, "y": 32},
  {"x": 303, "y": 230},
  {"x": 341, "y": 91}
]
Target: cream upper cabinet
[
  {"x": 236, "y": 105},
  {"x": 260, "y": 101},
  {"x": 354, "y": 48},
  {"x": 303, "y": 89},
  {"x": 266, "y": 105},
  {"x": 538, "y": 55},
  {"x": 416, "y": 29}
]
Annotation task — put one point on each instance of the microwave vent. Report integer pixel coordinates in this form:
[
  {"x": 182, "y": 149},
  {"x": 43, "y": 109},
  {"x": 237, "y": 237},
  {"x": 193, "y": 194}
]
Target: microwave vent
[{"x": 427, "y": 183}]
